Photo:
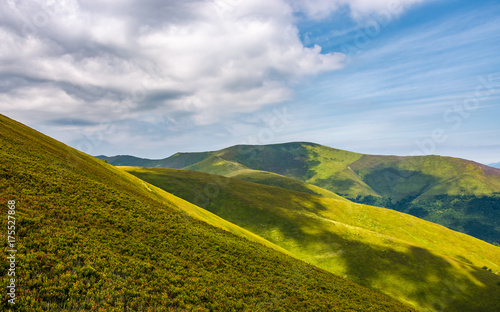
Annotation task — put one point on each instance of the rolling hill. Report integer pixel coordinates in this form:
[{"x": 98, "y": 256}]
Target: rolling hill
[
  {"x": 90, "y": 237},
  {"x": 460, "y": 194},
  {"x": 415, "y": 261}
]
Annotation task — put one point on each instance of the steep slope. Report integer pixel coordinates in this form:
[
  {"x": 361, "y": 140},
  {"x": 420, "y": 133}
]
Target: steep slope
[
  {"x": 353, "y": 174},
  {"x": 460, "y": 194},
  {"x": 426, "y": 176},
  {"x": 274, "y": 179},
  {"x": 346, "y": 173},
  {"x": 91, "y": 237},
  {"x": 415, "y": 261},
  {"x": 217, "y": 165}
]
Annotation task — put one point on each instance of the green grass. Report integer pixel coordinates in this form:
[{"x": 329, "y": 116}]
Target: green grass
[
  {"x": 91, "y": 237},
  {"x": 409, "y": 184},
  {"x": 415, "y": 261},
  {"x": 343, "y": 172},
  {"x": 425, "y": 176},
  {"x": 219, "y": 166},
  {"x": 216, "y": 165},
  {"x": 274, "y": 179}
]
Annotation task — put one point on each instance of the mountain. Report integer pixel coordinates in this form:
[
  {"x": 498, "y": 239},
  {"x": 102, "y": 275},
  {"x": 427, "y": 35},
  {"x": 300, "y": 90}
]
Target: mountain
[
  {"x": 346, "y": 173},
  {"x": 415, "y": 261},
  {"x": 460, "y": 194},
  {"x": 89, "y": 236},
  {"x": 177, "y": 161},
  {"x": 495, "y": 165}
]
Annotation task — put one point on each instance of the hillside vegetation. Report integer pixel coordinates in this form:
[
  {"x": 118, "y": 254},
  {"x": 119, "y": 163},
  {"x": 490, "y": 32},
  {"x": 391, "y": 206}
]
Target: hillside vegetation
[
  {"x": 415, "y": 261},
  {"x": 445, "y": 190},
  {"x": 90, "y": 237}
]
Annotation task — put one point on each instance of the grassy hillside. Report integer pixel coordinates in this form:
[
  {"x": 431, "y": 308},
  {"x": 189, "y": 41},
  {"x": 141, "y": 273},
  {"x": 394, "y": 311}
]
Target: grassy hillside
[
  {"x": 460, "y": 194},
  {"x": 342, "y": 172},
  {"x": 426, "y": 176},
  {"x": 90, "y": 237},
  {"x": 415, "y": 261},
  {"x": 217, "y": 165},
  {"x": 274, "y": 179}
]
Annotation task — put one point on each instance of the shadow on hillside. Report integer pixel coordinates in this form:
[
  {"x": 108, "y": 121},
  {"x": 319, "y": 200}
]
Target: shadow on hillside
[
  {"x": 421, "y": 276},
  {"x": 336, "y": 184},
  {"x": 398, "y": 183},
  {"x": 290, "y": 219}
]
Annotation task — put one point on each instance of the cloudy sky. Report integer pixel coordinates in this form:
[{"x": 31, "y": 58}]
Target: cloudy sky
[{"x": 155, "y": 77}]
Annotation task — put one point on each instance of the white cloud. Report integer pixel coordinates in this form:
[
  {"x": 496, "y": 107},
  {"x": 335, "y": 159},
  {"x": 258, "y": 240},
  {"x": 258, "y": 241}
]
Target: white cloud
[
  {"x": 220, "y": 57},
  {"x": 212, "y": 58}
]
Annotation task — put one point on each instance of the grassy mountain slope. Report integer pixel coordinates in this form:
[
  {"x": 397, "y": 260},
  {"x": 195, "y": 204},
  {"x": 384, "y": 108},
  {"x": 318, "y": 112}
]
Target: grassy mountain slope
[
  {"x": 311, "y": 163},
  {"x": 415, "y": 261},
  {"x": 426, "y": 176},
  {"x": 342, "y": 172},
  {"x": 274, "y": 179},
  {"x": 217, "y": 165},
  {"x": 91, "y": 237},
  {"x": 460, "y": 194}
]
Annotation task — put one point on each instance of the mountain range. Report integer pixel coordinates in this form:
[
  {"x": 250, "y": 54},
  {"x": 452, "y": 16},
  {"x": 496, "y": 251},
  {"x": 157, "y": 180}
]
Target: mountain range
[
  {"x": 92, "y": 236},
  {"x": 495, "y": 165},
  {"x": 460, "y": 194}
]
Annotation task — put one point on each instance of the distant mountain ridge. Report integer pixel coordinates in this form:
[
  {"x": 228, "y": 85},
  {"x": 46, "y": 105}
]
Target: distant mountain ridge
[
  {"x": 458, "y": 193},
  {"x": 92, "y": 237},
  {"x": 346, "y": 173},
  {"x": 495, "y": 165},
  {"x": 390, "y": 251}
]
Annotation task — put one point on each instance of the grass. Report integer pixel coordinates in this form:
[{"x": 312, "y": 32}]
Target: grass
[
  {"x": 273, "y": 179},
  {"x": 343, "y": 172},
  {"x": 408, "y": 184},
  {"x": 91, "y": 237},
  {"x": 417, "y": 262}
]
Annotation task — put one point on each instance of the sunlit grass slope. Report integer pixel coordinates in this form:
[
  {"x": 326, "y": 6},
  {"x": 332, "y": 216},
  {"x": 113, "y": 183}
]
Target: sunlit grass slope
[
  {"x": 457, "y": 193},
  {"x": 347, "y": 173},
  {"x": 91, "y": 237},
  {"x": 415, "y": 261},
  {"x": 426, "y": 176},
  {"x": 354, "y": 174},
  {"x": 219, "y": 166}
]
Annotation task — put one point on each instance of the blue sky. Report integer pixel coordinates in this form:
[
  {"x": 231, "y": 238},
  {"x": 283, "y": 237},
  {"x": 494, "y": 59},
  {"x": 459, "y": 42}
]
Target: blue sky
[
  {"x": 152, "y": 78},
  {"x": 400, "y": 86}
]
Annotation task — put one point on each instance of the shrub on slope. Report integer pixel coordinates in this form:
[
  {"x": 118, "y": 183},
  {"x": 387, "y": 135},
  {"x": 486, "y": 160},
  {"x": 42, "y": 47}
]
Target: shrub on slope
[
  {"x": 92, "y": 238},
  {"x": 415, "y": 261}
]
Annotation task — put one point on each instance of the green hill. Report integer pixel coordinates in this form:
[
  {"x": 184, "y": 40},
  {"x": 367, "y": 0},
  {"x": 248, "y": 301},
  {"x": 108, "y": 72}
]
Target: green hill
[
  {"x": 91, "y": 237},
  {"x": 415, "y": 261},
  {"x": 219, "y": 166},
  {"x": 460, "y": 194}
]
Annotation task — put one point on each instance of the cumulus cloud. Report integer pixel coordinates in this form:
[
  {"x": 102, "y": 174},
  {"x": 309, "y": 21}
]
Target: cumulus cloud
[
  {"x": 205, "y": 58},
  {"x": 152, "y": 67}
]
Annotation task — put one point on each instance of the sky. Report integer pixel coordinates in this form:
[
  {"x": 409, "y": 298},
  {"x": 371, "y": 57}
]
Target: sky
[{"x": 152, "y": 78}]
